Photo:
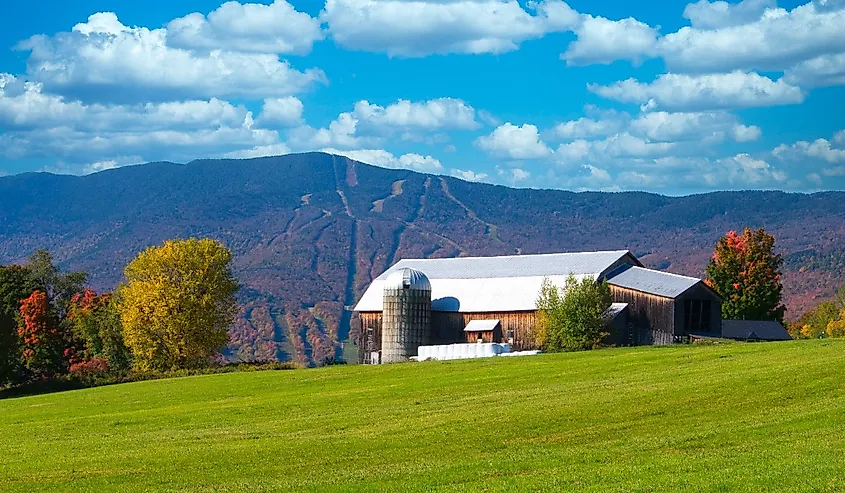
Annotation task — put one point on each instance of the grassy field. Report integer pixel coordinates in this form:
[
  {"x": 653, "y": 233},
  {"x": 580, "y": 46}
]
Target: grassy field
[{"x": 738, "y": 417}]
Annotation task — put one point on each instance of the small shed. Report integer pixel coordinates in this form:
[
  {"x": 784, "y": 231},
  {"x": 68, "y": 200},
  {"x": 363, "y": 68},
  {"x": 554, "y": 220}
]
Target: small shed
[
  {"x": 754, "y": 330},
  {"x": 484, "y": 331}
]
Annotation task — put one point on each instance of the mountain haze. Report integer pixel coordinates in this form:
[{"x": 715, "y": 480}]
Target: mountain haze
[{"x": 309, "y": 231}]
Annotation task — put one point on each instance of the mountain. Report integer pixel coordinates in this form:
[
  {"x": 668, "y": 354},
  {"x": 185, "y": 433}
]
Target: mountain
[{"x": 309, "y": 231}]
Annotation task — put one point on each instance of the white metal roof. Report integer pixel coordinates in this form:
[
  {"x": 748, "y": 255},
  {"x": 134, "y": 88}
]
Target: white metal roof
[
  {"x": 652, "y": 281},
  {"x": 493, "y": 284},
  {"x": 482, "y": 325}
]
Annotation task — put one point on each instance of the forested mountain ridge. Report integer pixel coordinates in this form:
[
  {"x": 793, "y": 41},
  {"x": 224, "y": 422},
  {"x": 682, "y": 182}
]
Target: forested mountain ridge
[{"x": 309, "y": 231}]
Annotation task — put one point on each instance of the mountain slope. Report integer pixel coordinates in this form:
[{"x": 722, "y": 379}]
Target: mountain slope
[{"x": 310, "y": 231}]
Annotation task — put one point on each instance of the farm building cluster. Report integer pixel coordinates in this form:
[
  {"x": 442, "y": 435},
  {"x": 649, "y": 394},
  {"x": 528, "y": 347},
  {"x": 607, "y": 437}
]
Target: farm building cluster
[{"x": 493, "y": 300}]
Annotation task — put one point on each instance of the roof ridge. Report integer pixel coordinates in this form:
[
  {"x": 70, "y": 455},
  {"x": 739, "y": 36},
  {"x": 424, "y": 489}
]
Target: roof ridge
[
  {"x": 621, "y": 252},
  {"x": 667, "y": 273}
]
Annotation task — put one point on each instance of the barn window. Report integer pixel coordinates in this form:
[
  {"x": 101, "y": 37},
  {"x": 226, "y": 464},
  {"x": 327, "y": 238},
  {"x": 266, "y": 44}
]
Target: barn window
[{"x": 697, "y": 315}]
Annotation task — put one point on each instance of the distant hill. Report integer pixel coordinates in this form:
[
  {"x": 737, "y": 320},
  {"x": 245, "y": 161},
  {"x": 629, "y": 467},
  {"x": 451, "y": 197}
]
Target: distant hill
[{"x": 309, "y": 231}]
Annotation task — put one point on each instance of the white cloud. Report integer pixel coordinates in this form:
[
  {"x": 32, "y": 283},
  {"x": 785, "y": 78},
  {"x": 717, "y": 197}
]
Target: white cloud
[
  {"x": 661, "y": 126},
  {"x": 745, "y": 170},
  {"x": 819, "y": 149},
  {"x": 176, "y": 145},
  {"x": 826, "y": 70},
  {"x": 369, "y": 124},
  {"x": 340, "y": 133},
  {"x": 514, "y": 142},
  {"x": 776, "y": 41},
  {"x": 679, "y": 92},
  {"x": 713, "y": 15},
  {"x": 385, "y": 159},
  {"x": 286, "y": 112},
  {"x": 413, "y": 28},
  {"x": 278, "y": 149},
  {"x": 584, "y": 127},
  {"x": 603, "y": 41},
  {"x": 251, "y": 27},
  {"x": 514, "y": 176},
  {"x": 24, "y": 105},
  {"x": 469, "y": 175},
  {"x": 107, "y": 61},
  {"x": 823, "y": 155},
  {"x": 435, "y": 114},
  {"x": 835, "y": 171}
]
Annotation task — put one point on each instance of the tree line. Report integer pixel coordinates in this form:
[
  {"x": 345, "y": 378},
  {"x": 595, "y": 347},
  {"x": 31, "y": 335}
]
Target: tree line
[
  {"x": 744, "y": 270},
  {"x": 172, "y": 311}
]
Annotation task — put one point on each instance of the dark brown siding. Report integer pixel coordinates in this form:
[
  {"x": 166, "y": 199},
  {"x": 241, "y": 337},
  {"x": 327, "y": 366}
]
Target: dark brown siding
[
  {"x": 370, "y": 336},
  {"x": 646, "y": 311},
  {"x": 520, "y": 324},
  {"x": 448, "y": 328},
  {"x": 700, "y": 292}
]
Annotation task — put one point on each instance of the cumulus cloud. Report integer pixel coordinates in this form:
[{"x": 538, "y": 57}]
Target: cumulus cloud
[
  {"x": 821, "y": 149},
  {"x": 285, "y": 112},
  {"x": 24, "y": 105},
  {"x": 435, "y": 114},
  {"x": 369, "y": 124},
  {"x": 603, "y": 41},
  {"x": 584, "y": 128},
  {"x": 514, "y": 142},
  {"x": 94, "y": 137},
  {"x": 826, "y": 70},
  {"x": 105, "y": 60},
  {"x": 680, "y": 92},
  {"x": 277, "y": 149},
  {"x": 412, "y": 28},
  {"x": 251, "y": 27},
  {"x": 713, "y": 15},
  {"x": 745, "y": 170},
  {"x": 469, "y": 175},
  {"x": 662, "y": 126},
  {"x": 385, "y": 159},
  {"x": 776, "y": 40}
]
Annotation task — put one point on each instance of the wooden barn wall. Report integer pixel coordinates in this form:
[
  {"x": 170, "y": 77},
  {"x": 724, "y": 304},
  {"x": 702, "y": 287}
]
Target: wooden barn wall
[
  {"x": 520, "y": 323},
  {"x": 365, "y": 343},
  {"x": 700, "y": 292},
  {"x": 647, "y": 311}
]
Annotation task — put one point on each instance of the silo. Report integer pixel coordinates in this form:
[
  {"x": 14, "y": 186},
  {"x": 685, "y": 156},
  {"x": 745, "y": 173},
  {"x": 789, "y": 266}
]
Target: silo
[{"x": 406, "y": 315}]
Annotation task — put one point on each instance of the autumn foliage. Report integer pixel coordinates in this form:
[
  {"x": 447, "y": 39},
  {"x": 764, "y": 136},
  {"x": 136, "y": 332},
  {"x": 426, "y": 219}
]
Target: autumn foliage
[
  {"x": 44, "y": 350},
  {"x": 178, "y": 304},
  {"x": 746, "y": 272}
]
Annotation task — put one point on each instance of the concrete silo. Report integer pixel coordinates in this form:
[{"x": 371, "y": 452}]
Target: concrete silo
[{"x": 406, "y": 315}]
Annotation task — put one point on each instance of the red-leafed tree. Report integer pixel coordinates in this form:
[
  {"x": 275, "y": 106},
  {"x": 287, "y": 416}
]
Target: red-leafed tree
[
  {"x": 45, "y": 351},
  {"x": 746, "y": 272}
]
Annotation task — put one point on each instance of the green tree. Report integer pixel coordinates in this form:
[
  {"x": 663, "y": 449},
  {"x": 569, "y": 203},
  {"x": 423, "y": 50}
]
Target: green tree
[
  {"x": 59, "y": 286},
  {"x": 571, "y": 318},
  {"x": 746, "y": 272},
  {"x": 16, "y": 284},
  {"x": 97, "y": 325},
  {"x": 178, "y": 303}
]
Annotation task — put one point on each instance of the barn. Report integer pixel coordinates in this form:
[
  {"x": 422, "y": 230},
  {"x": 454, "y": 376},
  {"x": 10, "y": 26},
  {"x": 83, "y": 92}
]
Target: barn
[{"x": 495, "y": 299}]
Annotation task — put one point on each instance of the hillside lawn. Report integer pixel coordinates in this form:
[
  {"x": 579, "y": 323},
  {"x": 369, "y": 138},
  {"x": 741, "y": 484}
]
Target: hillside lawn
[{"x": 733, "y": 417}]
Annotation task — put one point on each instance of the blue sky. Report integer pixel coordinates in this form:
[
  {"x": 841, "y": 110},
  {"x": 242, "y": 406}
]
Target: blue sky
[{"x": 668, "y": 97}]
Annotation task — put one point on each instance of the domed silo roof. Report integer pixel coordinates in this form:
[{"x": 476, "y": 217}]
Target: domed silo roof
[{"x": 407, "y": 278}]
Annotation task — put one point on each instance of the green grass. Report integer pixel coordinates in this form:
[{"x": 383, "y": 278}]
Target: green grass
[{"x": 738, "y": 417}]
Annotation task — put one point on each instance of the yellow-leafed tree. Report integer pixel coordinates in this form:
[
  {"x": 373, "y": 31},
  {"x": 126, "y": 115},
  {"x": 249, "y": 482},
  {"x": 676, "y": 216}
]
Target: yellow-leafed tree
[{"x": 177, "y": 304}]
